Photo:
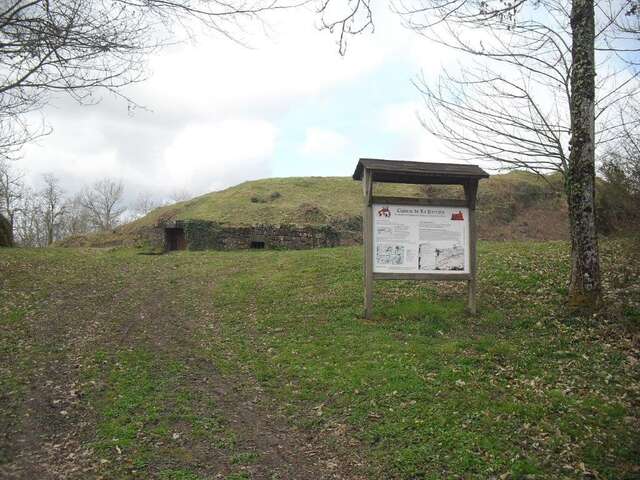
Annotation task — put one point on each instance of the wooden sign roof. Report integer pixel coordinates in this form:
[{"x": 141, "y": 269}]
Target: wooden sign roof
[{"x": 400, "y": 171}]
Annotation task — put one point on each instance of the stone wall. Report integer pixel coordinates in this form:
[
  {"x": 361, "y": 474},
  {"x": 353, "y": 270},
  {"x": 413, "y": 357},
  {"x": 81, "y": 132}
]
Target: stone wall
[
  {"x": 278, "y": 237},
  {"x": 203, "y": 235}
]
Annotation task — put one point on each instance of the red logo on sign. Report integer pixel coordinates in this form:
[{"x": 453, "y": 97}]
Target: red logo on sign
[
  {"x": 384, "y": 212},
  {"x": 457, "y": 216}
]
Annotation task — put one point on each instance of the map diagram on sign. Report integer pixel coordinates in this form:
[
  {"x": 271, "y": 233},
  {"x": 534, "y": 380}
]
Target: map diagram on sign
[
  {"x": 420, "y": 239},
  {"x": 447, "y": 259},
  {"x": 390, "y": 254}
]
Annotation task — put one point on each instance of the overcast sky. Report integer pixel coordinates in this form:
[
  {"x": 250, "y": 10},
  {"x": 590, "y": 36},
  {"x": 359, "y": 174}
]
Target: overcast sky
[{"x": 220, "y": 113}]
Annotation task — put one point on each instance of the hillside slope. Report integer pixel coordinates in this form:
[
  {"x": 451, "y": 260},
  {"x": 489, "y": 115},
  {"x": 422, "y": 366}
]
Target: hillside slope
[
  {"x": 294, "y": 200},
  {"x": 517, "y": 205}
]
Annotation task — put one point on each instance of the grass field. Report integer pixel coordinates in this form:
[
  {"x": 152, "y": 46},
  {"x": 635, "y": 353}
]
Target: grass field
[{"x": 258, "y": 365}]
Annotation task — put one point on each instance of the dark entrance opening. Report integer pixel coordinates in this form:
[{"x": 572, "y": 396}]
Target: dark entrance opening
[
  {"x": 175, "y": 239},
  {"x": 257, "y": 244}
]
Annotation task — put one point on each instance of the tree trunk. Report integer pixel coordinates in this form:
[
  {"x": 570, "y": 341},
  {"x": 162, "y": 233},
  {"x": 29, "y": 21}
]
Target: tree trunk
[
  {"x": 584, "y": 286},
  {"x": 6, "y": 232}
]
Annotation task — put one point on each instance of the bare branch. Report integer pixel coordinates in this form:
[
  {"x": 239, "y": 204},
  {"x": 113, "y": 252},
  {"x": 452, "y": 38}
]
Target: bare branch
[{"x": 80, "y": 46}]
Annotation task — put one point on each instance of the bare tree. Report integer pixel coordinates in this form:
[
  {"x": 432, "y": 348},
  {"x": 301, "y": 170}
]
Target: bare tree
[
  {"x": 30, "y": 229},
  {"x": 517, "y": 119},
  {"x": 11, "y": 190},
  {"x": 550, "y": 44},
  {"x": 180, "y": 195},
  {"x": 53, "y": 206},
  {"x": 621, "y": 162},
  {"x": 78, "y": 46},
  {"x": 346, "y": 19},
  {"x": 619, "y": 194},
  {"x": 144, "y": 203},
  {"x": 77, "y": 219},
  {"x": 103, "y": 202},
  {"x": 629, "y": 149}
]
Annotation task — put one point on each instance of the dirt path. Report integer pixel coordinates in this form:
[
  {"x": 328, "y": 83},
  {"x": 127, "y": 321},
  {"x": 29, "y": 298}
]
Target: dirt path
[{"x": 51, "y": 419}]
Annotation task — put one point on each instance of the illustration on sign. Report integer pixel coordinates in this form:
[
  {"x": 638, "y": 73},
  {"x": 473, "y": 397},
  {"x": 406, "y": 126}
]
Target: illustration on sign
[{"x": 420, "y": 239}]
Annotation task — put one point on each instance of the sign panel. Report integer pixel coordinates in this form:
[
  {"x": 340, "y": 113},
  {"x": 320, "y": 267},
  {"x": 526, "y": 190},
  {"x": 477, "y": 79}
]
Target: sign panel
[{"x": 420, "y": 239}]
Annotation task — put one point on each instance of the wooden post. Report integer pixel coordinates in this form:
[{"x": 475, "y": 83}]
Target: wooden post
[
  {"x": 470, "y": 191},
  {"x": 367, "y": 239}
]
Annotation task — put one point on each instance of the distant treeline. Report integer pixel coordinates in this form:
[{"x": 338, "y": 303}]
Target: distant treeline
[
  {"x": 38, "y": 217},
  {"x": 515, "y": 207}
]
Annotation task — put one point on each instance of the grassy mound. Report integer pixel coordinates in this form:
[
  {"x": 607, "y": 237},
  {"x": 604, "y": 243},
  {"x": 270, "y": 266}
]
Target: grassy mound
[
  {"x": 295, "y": 200},
  {"x": 516, "y": 205}
]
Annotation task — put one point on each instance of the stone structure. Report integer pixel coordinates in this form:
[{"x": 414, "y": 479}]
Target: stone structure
[{"x": 206, "y": 235}]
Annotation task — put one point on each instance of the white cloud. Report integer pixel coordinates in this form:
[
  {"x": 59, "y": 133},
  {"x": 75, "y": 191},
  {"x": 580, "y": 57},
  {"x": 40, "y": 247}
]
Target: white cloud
[
  {"x": 198, "y": 157},
  {"x": 294, "y": 61},
  {"x": 320, "y": 141},
  {"x": 216, "y": 109},
  {"x": 412, "y": 141},
  {"x": 213, "y": 110},
  {"x": 211, "y": 156}
]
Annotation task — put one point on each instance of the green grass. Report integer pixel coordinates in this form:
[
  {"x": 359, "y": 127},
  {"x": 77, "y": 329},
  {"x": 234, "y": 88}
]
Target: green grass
[
  {"x": 335, "y": 196},
  {"x": 140, "y": 407},
  {"x": 424, "y": 390},
  {"x": 430, "y": 391}
]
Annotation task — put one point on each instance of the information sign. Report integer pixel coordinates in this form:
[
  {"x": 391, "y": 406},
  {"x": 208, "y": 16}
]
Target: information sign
[{"x": 420, "y": 239}]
